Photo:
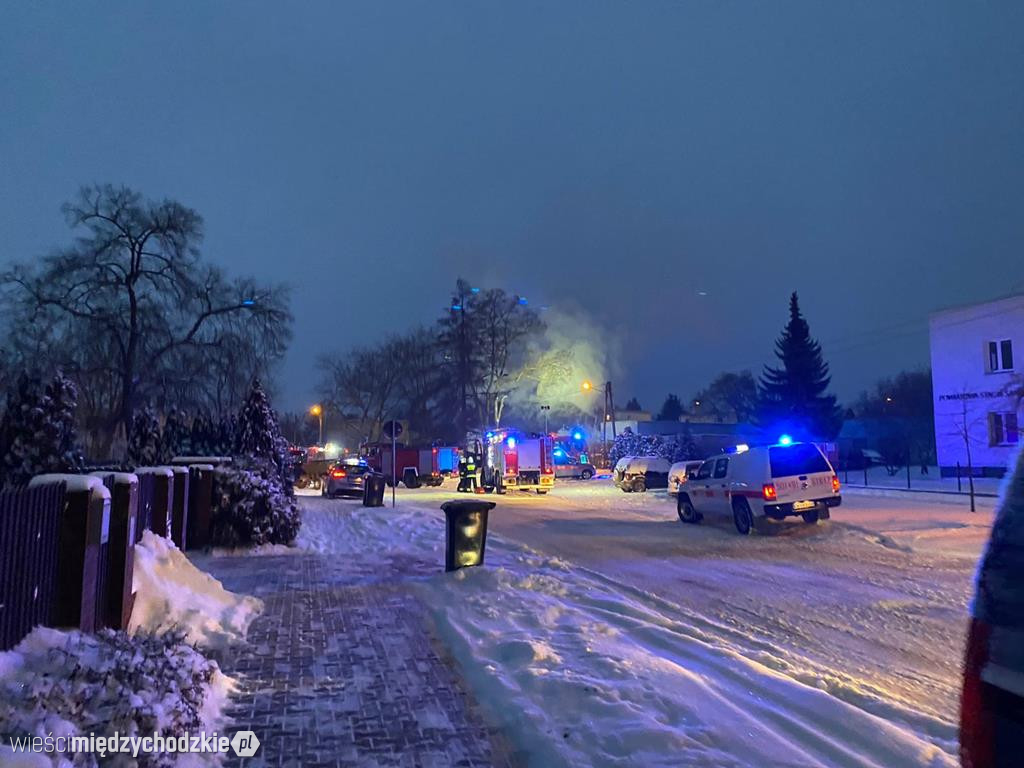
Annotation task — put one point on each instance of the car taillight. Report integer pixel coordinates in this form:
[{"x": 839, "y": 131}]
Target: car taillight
[
  {"x": 338, "y": 473},
  {"x": 548, "y": 470},
  {"x": 976, "y": 726},
  {"x": 769, "y": 492},
  {"x": 835, "y": 483}
]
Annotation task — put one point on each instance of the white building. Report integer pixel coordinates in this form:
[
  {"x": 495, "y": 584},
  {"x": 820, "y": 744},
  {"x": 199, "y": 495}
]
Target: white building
[{"x": 977, "y": 384}]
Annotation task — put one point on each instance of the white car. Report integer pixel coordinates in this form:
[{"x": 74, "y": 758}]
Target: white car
[
  {"x": 680, "y": 473},
  {"x": 775, "y": 481}
]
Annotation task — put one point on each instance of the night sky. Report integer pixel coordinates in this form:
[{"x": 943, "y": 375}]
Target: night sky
[{"x": 671, "y": 169}]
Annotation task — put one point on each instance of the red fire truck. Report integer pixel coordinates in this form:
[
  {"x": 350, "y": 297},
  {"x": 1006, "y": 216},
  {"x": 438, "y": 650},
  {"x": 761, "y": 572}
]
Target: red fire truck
[
  {"x": 413, "y": 466},
  {"x": 515, "y": 460}
]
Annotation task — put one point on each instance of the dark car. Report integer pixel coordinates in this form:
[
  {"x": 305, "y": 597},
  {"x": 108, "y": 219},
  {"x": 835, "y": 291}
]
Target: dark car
[
  {"x": 345, "y": 478},
  {"x": 992, "y": 700}
]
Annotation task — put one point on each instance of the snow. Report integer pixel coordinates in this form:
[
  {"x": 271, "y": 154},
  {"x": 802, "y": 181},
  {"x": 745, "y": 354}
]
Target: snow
[
  {"x": 201, "y": 460},
  {"x": 74, "y": 483},
  {"x": 171, "y": 593},
  {"x": 601, "y": 631},
  {"x": 161, "y": 470},
  {"x": 179, "y": 470}
]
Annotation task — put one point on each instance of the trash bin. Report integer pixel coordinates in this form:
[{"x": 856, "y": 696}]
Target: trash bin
[
  {"x": 200, "y": 505},
  {"x": 465, "y": 532},
  {"x": 373, "y": 489}
]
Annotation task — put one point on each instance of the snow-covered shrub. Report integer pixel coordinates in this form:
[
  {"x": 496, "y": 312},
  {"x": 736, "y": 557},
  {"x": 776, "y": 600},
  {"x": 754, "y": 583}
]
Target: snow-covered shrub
[
  {"x": 67, "y": 683},
  {"x": 37, "y": 433},
  {"x": 675, "y": 448},
  {"x": 251, "y": 506}
]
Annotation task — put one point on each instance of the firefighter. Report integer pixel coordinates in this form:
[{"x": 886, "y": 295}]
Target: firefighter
[{"x": 468, "y": 472}]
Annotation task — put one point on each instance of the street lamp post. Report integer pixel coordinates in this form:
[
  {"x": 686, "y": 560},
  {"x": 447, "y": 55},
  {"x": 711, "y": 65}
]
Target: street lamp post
[
  {"x": 318, "y": 411},
  {"x": 547, "y": 410}
]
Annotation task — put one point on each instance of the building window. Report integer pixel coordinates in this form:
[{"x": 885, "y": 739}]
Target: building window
[
  {"x": 1002, "y": 429},
  {"x": 1000, "y": 356}
]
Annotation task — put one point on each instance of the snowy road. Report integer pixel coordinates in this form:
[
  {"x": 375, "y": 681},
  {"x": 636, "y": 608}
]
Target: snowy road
[{"x": 867, "y": 609}]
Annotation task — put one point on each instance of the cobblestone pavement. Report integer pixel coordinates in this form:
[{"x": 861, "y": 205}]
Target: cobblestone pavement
[{"x": 342, "y": 669}]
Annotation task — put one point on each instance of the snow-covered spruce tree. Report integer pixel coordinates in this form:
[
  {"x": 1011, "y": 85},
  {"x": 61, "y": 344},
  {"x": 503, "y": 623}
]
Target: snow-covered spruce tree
[
  {"x": 144, "y": 438},
  {"x": 792, "y": 397},
  {"x": 258, "y": 434},
  {"x": 62, "y": 452},
  {"x": 202, "y": 436},
  {"x": 173, "y": 437},
  {"x": 37, "y": 433},
  {"x": 253, "y": 499}
]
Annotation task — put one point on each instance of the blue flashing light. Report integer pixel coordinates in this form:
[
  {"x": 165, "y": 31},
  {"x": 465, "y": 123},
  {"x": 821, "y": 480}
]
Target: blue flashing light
[
  {"x": 785, "y": 440},
  {"x": 522, "y": 300},
  {"x": 456, "y": 307},
  {"x": 248, "y": 302},
  {"x": 577, "y": 435},
  {"x": 490, "y": 435},
  {"x": 511, "y": 442},
  {"x": 559, "y": 452},
  {"x": 474, "y": 290}
]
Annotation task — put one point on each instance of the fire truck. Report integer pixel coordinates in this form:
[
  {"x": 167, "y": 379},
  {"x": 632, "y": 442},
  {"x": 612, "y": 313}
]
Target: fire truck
[
  {"x": 515, "y": 460},
  {"x": 413, "y": 466}
]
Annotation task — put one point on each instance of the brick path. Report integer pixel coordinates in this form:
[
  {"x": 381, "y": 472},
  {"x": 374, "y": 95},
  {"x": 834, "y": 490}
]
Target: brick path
[{"x": 342, "y": 669}]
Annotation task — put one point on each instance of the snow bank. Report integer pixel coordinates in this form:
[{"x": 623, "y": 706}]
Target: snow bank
[
  {"x": 165, "y": 471},
  {"x": 74, "y": 483},
  {"x": 57, "y": 683},
  {"x": 172, "y": 593},
  {"x": 579, "y": 669}
]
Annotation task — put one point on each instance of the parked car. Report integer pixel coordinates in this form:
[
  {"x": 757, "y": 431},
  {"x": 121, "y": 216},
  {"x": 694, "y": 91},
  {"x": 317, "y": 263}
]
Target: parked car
[
  {"x": 679, "y": 473},
  {"x": 638, "y": 473},
  {"x": 750, "y": 484},
  {"x": 345, "y": 478},
  {"x": 992, "y": 699},
  {"x": 568, "y": 466}
]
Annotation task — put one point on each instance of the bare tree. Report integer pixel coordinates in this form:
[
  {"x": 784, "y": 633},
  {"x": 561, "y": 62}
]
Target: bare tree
[
  {"x": 130, "y": 300},
  {"x": 362, "y": 385}
]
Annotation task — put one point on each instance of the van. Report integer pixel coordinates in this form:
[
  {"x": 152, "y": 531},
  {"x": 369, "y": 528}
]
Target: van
[
  {"x": 638, "y": 473},
  {"x": 750, "y": 484}
]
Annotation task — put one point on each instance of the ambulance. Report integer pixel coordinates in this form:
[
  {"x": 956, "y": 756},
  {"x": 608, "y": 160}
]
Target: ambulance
[{"x": 748, "y": 485}]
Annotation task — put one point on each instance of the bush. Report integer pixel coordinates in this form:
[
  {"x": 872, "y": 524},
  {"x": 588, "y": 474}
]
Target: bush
[
  {"x": 68, "y": 683},
  {"x": 251, "y": 507}
]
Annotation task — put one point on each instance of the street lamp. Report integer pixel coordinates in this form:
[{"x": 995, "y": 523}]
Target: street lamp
[
  {"x": 586, "y": 386},
  {"x": 318, "y": 411},
  {"x": 547, "y": 410}
]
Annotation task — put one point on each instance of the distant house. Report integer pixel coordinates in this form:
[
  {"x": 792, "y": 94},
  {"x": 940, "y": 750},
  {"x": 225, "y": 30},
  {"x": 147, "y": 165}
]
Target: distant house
[{"x": 976, "y": 384}]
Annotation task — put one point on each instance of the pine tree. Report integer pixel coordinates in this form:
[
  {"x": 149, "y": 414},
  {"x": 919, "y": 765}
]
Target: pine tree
[
  {"x": 37, "y": 433},
  {"x": 633, "y": 405},
  {"x": 258, "y": 434},
  {"x": 688, "y": 449},
  {"x": 144, "y": 438},
  {"x": 792, "y": 397},
  {"x": 174, "y": 436},
  {"x": 201, "y": 436},
  {"x": 671, "y": 409},
  {"x": 62, "y": 452}
]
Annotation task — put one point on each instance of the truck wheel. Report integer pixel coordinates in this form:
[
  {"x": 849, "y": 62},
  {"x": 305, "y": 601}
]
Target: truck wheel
[
  {"x": 742, "y": 517},
  {"x": 811, "y": 518},
  {"x": 540, "y": 492},
  {"x": 639, "y": 485},
  {"x": 410, "y": 480},
  {"x": 586, "y": 474},
  {"x": 684, "y": 507}
]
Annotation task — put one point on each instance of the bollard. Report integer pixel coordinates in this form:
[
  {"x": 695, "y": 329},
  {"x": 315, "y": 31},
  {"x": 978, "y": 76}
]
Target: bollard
[
  {"x": 84, "y": 529},
  {"x": 124, "y": 515},
  {"x": 179, "y": 506},
  {"x": 163, "y": 498},
  {"x": 200, "y": 505},
  {"x": 465, "y": 533}
]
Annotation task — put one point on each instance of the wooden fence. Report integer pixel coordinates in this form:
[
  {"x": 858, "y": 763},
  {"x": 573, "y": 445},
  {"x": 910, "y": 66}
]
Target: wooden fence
[{"x": 29, "y": 533}]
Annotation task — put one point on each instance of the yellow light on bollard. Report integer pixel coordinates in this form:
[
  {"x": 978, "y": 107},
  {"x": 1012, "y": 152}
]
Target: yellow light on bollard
[{"x": 465, "y": 532}]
